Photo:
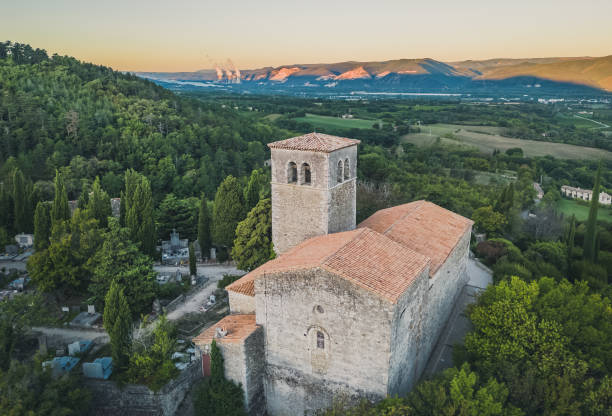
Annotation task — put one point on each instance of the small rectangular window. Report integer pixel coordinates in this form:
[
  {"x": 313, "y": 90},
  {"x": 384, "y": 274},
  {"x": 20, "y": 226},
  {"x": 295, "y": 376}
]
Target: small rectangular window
[{"x": 320, "y": 340}]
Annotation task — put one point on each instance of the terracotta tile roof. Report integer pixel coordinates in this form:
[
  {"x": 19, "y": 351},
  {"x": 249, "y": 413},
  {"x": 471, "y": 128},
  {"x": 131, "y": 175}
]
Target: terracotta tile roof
[
  {"x": 363, "y": 257},
  {"x": 315, "y": 142},
  {"x": 238, "y": 328},
  {"x": 423, "y": 227}
]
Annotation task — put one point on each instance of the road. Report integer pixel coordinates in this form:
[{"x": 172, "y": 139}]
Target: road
[
  {"x": 19, "y": 265},
  {"x": 214, "y": 273},
  {"x": 603, "y": 126},
  {"x": 72, "y": 334}
]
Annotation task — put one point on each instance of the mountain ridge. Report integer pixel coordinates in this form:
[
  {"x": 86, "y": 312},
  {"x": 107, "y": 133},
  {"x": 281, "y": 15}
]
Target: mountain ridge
[{"x": 594, "y": 72}]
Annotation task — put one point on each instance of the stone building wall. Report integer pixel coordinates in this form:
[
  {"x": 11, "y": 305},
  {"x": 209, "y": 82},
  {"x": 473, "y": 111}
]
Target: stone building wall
[
  {"x": 300, "y": 377},
  {"x": 109, "y": 398},
  {"x": 240, "y": 303},
  {"x": 407, "y": 333},
  {"x": 444, "y": 289}
]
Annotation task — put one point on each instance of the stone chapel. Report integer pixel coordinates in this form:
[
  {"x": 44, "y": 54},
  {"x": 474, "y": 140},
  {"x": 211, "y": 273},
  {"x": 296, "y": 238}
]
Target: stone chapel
[{"x": 345, "y": 310}]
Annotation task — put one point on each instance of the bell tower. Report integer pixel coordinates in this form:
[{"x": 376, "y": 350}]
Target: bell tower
[{"x": 313, "y": 188}]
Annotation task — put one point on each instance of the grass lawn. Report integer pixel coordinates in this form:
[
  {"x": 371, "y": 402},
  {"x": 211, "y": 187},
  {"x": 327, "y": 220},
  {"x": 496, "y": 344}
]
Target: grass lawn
[
  {"x": 336, "y": 122},
  {"x": 569, "y": 207},
  {"x": 488, "y": 139}
]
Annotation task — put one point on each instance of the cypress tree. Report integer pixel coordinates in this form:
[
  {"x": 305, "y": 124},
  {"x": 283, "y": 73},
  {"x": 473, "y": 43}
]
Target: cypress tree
[
  {"x": 127, "y": 195},
  {"x": 217, "y": 371},
  {"x": 193, "y": 267},
  {"x": 99, "y": 205},
  {"x": 60, "y": 211},
  {"x": 252, "y": 191},
  {"x": 590, "y": 235},
  {"x": 118, "y": 325},
  {"x": 139, "y": 218},
  {"x": 570, "y": 241},
  {"x": 204, "y": 228},
  {"x": 42, "y": 226},
  {"x": 19, "y": 201},
  {"x": 253, "y": 244},
  {"x": 7, "y": 212},
  {"x": 227, "y": 212}
]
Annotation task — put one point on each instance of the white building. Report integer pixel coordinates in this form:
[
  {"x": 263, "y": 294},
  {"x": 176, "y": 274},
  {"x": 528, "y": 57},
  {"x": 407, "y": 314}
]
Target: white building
[{"x": 585, "y": 194}]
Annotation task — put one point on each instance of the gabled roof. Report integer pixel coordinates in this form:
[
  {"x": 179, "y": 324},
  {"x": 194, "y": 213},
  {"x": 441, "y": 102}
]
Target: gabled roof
[
  {"x": 423, "y": 227},
  {"x": 363, "y": 256},
  {"x": 238, "y": 328},
  {"x": 314, "y": 142}
]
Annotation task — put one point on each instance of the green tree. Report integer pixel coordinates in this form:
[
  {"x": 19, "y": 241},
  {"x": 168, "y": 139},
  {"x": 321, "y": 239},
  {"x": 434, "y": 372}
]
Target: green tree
[
  {"x": 140, "y": 220},
  {"x": 228, "y": 211},
  {"x": 118, "y": 325},
  {"x": 152, "y": 363},
  {"x": 193, "y": 267},
  {"x": 20, "y": 202},
  {"x": 255, "y": 188},
  {"x": 60, "y": 210},
  {"x": 119, "y": 259},
  {"x": 7, "y": 210},
  {"x": 28, "y": 389},
  {"x": 590, "y": 236},
  {"x": 131, "y": 181},
  {"x": 253, "y": 244},
  {"x": 215, "y": 395},
  {"x": 204, "y": 229},
  {"x": 571, "y": 236},
  {"x": 179, "y": 214},
  {"x": 42, "y": 226},
  {"x": 98, "y": 205},
  {"x": 489, "y": 221},
  {"x": 65, "y": 264}
]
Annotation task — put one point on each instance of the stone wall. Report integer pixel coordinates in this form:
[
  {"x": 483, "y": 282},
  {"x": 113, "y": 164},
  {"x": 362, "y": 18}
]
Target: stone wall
[
  {"x": 242, "y": 304},
  {"x": 444, "y": 289},
  {"x": 293, "y": 307},
  {"x": 407, "y": 356},
  {"x": 110, "y": 399}
]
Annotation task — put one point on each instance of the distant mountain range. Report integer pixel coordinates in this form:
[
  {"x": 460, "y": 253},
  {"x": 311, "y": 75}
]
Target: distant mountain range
[{"x": 413, "y": 75}]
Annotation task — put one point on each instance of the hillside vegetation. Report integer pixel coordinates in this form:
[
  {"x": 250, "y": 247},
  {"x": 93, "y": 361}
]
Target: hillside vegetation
[{"x": 57, "y": 112}]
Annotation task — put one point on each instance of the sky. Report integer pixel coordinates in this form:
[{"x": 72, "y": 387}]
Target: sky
[{"x": 187, "y": 35}]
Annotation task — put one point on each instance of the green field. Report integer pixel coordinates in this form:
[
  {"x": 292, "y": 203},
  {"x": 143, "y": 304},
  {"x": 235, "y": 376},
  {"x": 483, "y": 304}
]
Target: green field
[
  {"x": 569, "y": 207},
  {"x": 488, "y": 139},
  {"x": 336, "y": 122}
]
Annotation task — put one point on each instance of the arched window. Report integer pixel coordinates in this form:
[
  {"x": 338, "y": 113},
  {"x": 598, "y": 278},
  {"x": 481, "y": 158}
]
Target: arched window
[
  {"x": 347, "y": 171},
  {"x": 292, "y": 173},
  {"x": 306, "y": 179},
  {"x": 340, "y": 171},
  {"x": 320, "y": 340}
]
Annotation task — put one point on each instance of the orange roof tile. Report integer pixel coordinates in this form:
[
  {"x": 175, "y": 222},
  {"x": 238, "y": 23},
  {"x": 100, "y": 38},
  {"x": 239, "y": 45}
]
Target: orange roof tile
[
  {"x": 315, "y": 142},
  {"x": 238, "y": 328},
  {"x": 363, "y": 257},
  {"x": 423, "y": 227}
]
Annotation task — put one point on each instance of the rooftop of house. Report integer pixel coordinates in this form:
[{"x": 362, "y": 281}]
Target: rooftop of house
[
  {"x": 314, "y": 142},
  {"x": 423, "y": 227},
  {"x": 362, "y": 256},
  {"x": 238, "y": 328}
]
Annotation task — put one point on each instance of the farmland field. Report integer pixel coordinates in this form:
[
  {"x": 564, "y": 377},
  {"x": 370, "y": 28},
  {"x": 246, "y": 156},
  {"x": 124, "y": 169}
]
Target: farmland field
[
  {"x": 569, "y": 207},
  {"x": 336, "y": 122},
  {"x": 488, "y": 139}
]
